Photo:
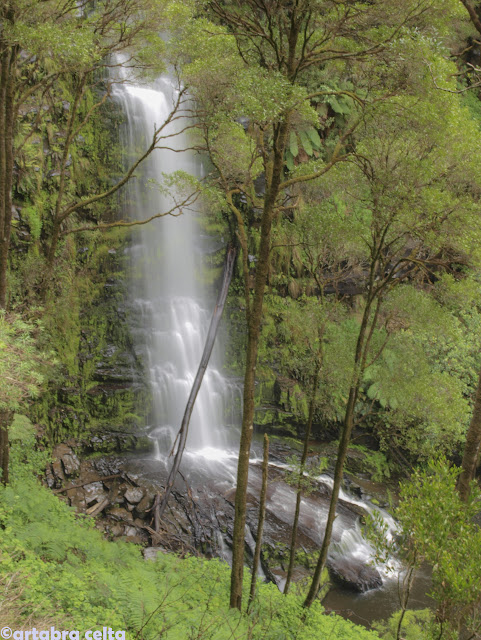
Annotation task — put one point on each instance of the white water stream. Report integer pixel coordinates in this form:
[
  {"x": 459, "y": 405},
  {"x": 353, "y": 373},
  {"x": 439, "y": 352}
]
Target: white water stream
[
  {"x": 168, "y": 289},
  {"x": 175, "y": 310}
]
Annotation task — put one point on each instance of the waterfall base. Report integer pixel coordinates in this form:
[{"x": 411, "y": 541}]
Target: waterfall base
[{"x": 120, "y": 491}]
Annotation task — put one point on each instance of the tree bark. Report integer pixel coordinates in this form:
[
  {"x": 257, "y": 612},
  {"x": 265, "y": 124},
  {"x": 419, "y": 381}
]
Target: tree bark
[
  {"x": 5, "y": 419},
  {"x": 359, "y": 364},
  {"x": 260, "y": 524},
  {"x": 472, "y": 14},
  {"x": 7, "y": 124},
  {"x": 292, "y": 553},
  {"x": 3, "y": 246},
  {"x": 253, "y": 333},
  {"x": 471, "y": 448},
  {"x": 156, "y": 510},
  {"x": 209, "y": 344}
]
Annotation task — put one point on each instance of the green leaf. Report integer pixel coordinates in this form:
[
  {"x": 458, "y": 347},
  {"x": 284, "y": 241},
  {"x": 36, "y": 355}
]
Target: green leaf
[
  {"x": 338, "y": 105},
  {"x": 314, "y": 138},
  {"x": 306, "y": 143},
  {"x": 290, "y": 161},
  {"x": 293, "y": 147}
]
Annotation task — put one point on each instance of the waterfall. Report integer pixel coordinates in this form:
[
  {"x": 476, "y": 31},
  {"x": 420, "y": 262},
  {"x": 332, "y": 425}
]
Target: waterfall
[
  {"x": 175, "y": 310},
  {"x": 167, "y": 288}
]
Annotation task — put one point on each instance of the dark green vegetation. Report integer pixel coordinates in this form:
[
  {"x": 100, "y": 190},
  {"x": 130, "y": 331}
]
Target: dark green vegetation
[{"x": 344, "y": 145}]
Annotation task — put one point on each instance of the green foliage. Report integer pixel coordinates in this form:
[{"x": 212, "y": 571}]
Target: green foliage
[
  {"x": 21, "y": 363},
  {"x": 56, "y": 565},
  {"x": 306, "y": 140},
  {"x": 22, "y": 430},
  {"x": 415, "y": 625},
  {"x": 374, "y": 463},
  {"x": 426, "y": 370},
  {"x": 435, "y": 526},
  {"x": 299, "y": 337},
  {"x": 471, "y": 100}
]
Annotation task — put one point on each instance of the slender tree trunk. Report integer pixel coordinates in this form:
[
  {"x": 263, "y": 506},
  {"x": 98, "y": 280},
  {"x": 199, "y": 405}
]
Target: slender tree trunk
[
  {"x": 7, "y": 123},
  {"x": 292, "y": 553},
  {"x": 5, "y": 419},
  {"x": 260, "y": 524},
  {"x": 406, "y": 593},
  {"x": 471, "y": 448},
  {"x": 3, "y": 159},
  {"x": 253, "y": 333},
  {"x": 359, "y": 362}
]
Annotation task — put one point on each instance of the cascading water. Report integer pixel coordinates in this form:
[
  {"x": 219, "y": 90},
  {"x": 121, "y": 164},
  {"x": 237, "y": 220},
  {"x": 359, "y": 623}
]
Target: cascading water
[
  {"x": 168, "y": 290},
  {"x": 175, "y": 312}
]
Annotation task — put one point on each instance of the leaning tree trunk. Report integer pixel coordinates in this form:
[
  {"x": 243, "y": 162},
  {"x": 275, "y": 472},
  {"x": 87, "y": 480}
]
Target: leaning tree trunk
[
  {"x": 209, "y": 344},
  {"x": 471, "y": 448}
]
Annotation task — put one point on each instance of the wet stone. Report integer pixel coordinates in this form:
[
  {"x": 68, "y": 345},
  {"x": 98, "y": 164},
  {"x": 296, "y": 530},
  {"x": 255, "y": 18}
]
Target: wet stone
[
  {"x": 49, "y": 477},
  {"x": 144, "y": 505},
  {"x": 134, "y": 495},
  {"x": 116, "y": 530},
  {"x": 57, "y": 470},
  {"x": 134, "y": 539},
  {"x": 94, "y": 492},
  {"x": 354, "y": 575},
  {"x": 76, "y": 498},
  {"x": 120, "y": 514},
  {"x": 71, "y": 463},
  {"x": 133, "y": 477}
]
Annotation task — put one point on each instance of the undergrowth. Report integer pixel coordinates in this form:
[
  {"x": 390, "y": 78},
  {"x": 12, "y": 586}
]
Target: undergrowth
[{"x": 57, "y": 570}]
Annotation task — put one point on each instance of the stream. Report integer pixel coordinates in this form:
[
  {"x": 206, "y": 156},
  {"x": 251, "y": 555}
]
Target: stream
[{"x": 174, "y": 308}]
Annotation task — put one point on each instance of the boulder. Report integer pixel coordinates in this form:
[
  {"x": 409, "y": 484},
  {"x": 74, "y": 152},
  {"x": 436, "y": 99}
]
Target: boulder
[
  {"x": 134, "y": 495},
  {"x": 144, "y": 506},
  {"x": 117, "y": 513},
  {"x": 65, "y": 458},
  {"x": 94, "y": 492},
  {"x": 57, "y": 469},
  {"x": 71, "y": 463},
  {"x": 352, "y": 574},
  {"x": 150, "y": 553}
]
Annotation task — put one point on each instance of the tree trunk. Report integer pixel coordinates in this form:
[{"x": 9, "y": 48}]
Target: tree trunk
[
  {"x": 7, "y": 123},
  {"x": 471, "y": 448},
  {"x": 260, "y": 524},
  {"x": 5, "y": 419},
  {"x": 406, "y": 593},
  {"x": 209, "y": 344},
  {"x": 292, "y": 553},
  {"x": 359, "y": 363},
  {"x": 253, "y": 333}
]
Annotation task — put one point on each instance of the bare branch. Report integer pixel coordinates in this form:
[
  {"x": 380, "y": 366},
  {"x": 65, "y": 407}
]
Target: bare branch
[{"x": 179, "y": 208}]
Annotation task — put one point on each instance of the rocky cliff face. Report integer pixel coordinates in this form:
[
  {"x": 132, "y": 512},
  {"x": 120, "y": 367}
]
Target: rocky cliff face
[{"x": 100, "y": 399}]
